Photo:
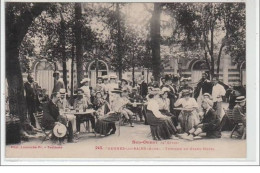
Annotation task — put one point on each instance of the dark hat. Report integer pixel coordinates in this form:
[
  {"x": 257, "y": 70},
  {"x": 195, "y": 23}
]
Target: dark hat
[
  {"x": 167, "y": 77},
  {"x": 240, "y": 99},
  {"x": 56, "y": 73},
  {"x": 117, "y": 91}
]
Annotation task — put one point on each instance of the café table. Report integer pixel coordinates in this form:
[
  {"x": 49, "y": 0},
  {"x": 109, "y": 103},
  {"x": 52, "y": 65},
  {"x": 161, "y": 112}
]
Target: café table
[
  {"x": 143, "y": 106},
  {"x": 81, "y": 116}
]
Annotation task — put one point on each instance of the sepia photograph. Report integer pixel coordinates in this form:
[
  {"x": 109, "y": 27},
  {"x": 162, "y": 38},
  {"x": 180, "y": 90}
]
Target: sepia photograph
[{"x": 111, "y": 80}]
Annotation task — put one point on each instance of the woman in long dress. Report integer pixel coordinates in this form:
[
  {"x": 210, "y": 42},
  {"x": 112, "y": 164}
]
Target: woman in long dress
[
  {"x": 161, "y": 125},
  {"x": 189, "y": 117}
]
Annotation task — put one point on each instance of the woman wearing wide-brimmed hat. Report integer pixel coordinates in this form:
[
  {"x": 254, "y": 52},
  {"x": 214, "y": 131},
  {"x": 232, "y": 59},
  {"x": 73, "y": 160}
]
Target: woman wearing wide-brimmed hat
[
  {"x": 161, "y": 125},
  {"x": 189, "y": 116},
  {"x": 106, "y": 125}
]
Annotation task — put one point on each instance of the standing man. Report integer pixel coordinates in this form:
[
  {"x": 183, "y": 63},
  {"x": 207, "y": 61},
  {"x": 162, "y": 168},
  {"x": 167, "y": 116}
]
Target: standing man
[
  {"x": 204, "y": 86},
  {"x": 32, "y": 99},
  {"x": 58, "y": 82},
  {"x": 172, "y": 94},
  {"x": 218, "y": 91},
  {"x": 143, "y": 88}
]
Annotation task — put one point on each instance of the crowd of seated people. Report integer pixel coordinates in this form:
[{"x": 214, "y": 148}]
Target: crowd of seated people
[{"x": 173, "y": 109}]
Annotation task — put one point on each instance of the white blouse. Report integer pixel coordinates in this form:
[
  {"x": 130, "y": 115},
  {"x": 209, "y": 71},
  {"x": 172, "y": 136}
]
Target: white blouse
[
  {"x": 190, "y": 103},
  {"x": 153, "y": 106}
]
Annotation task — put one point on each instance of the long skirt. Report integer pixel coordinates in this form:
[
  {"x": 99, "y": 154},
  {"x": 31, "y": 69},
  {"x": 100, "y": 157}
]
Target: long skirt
[
  {"x": 188, "y": 120},
  {"x": 160, "y": 128},
  {"x": 105, "y": 124}
]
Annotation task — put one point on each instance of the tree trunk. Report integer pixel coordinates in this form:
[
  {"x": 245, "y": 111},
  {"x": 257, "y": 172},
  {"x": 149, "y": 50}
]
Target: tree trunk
[
  {"x": 78, "y": 37},
  {"x": 133, "y": 70},
  {"x": 63, "y": 50},
  {"x": 16, "y": 29},
  {"x": 155, "y": 41},
  {"x": 219, "y": 56},
  {"x": 17, "y": 102},
  {"x": 119, "y": 43},
  {"x": 72, "y": 69}
]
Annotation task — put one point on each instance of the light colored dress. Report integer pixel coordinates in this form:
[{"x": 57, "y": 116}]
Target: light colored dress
[{"x": 188, "y": 119}]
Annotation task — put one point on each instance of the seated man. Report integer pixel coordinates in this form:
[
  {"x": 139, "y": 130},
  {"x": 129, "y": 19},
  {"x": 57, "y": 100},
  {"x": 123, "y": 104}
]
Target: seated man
[
  {"x": 240, "y": 112},
  {"x": 80, "y": 105},
  {"x": 51, "y": 116},
  {"x": 210, "y": 123},
  {"x": 135, "y": 97},
  {"x": 122, "y": 102},
  {"x": 64, "y": 106}
]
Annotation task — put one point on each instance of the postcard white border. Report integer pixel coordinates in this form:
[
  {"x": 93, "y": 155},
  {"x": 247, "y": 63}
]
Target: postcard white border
[{"x": 252, "y": 54}]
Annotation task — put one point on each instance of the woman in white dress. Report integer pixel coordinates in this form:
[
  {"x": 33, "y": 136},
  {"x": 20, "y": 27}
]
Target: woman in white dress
[{"x": 189, "y": 116}]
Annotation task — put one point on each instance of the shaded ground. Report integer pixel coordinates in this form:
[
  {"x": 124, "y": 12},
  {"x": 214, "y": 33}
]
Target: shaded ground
[{"x": 133, "y": 142}]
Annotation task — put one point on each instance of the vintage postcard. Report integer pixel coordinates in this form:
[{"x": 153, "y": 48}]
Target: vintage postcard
[{"x": 170, "y": 82}]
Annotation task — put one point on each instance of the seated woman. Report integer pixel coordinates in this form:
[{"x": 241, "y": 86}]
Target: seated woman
[
  {"x": 209, "y": 124},
  {"x": 164, "y": 105},
  {"x": 105, "y": 125},
  {"x": 188, "y": 117},
  {"x": 161, "y": 125},
  {"x": 100, "y": 105}
]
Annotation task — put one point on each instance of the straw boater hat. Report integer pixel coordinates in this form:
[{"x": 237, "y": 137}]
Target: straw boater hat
[
  {"x": 208, "y": 95},
  {"x": 116, "y": 91},
  {"x": 62, "y": 91},
  {"x": 85, "y": 80},
  {"x": 59, "y": 130},
  {"x": 240, "y": 99}
]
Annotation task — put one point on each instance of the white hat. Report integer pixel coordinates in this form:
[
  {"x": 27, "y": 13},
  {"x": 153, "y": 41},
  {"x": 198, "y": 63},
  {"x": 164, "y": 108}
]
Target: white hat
[
  {"x": 59, "y": 130},
  {"x": 62, "y": 91},
  {"x": 113, "y": 76},
  {"x": 188, "y": 79},
  {"x": 165, "y": 89},
  {"x": 85, "y": 80},
  {"x": 105, "y": 77}
]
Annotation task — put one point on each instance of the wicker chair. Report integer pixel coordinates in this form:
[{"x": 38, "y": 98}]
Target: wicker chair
[{"x": 237, "y": 121}]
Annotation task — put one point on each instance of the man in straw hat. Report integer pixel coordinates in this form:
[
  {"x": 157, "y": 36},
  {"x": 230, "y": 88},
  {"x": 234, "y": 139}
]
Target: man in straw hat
[
  {"x": 240, "y": 112},
  {"x": 209, "y": 124},
  {"x": 51, "y": 116}
]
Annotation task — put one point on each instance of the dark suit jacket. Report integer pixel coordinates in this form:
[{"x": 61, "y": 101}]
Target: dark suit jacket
[
  {"x": 51, "y": 115},
  {"x": 206, "y": 87},
  {"x": 211, "y": 124},
  {"x": 143, "y": 89}
]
